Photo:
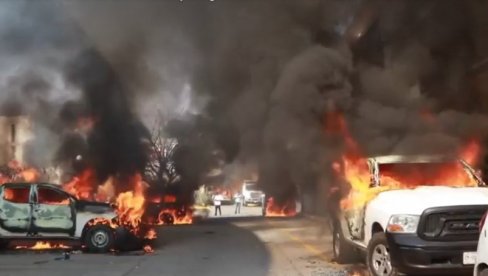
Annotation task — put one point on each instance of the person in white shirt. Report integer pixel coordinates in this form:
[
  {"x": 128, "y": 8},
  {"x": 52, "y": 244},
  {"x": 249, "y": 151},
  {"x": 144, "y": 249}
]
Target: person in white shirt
[
  {"x": 217, "y": 203},
  {"x": 238, "y": 199}
]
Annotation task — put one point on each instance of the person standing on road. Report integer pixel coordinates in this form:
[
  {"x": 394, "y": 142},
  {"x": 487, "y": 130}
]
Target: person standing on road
[
  {"x": 239, "y": 198},
  {"x": 218, "y": 203},
  {"x": 263, "y": 204}
]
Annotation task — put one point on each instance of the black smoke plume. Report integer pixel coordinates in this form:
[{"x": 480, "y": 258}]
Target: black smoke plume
[{"x": 249, "y": 82}]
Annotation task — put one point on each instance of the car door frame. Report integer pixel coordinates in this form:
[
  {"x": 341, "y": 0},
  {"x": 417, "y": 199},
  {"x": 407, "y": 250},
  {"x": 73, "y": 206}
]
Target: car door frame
[
  {"x": 52, "y": 230},
  {"x": 13, "y": 230}
]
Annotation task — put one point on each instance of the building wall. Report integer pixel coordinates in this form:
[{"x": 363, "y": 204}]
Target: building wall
[{"x": 14, "y": 133}]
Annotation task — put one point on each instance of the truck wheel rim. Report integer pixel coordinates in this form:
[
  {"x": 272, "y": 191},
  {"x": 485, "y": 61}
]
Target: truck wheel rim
[
  {"x": 381, "y": 260},
  {"x": 100, "y": 239}
]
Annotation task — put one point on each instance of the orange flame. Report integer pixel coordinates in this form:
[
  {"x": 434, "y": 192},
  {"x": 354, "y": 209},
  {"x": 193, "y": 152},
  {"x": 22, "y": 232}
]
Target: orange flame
[
  {"x": 19, "y": 173},
  {"x": 43, "y": 246},
  {"x": 82, "y": 186},
  {"x": 471, "y": 152},
  {"x": 174, "y": 216},
  {"x": 111, "y": 223},
  {"x": 286, "y": 210},
  {"x": 29, "y": 175},
  {"x": 169, "y": 199},
  {"x": 148, "y": 249},
  {"x": 354, "y": 170},
  {"x": 151, "y": 234},
  {"x": 130, "y": 205}
]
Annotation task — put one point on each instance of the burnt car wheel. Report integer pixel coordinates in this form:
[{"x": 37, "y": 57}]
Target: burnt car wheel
[
  {"x": 99, "y": 239},
  {"x": 343, "y": 252},
  {"x": 378, "y": 256}
]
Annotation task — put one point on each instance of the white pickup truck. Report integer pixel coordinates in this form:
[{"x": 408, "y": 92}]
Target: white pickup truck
[
  {"x": 430, "y": 228},
  {"x": 251, "y": 193}
]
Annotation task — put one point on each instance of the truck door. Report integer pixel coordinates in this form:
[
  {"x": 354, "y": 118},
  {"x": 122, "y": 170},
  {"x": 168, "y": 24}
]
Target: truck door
[
  {"x": 53, "y": 212},
  {"x": 355, "y": 217},
  {"x": 15, "y": 208}
]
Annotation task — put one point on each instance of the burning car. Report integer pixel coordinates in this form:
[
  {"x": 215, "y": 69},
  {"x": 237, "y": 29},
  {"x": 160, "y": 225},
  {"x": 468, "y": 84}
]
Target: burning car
[
  {"x": 410, "y": 214},
  {"x": 41, "y": 211}
]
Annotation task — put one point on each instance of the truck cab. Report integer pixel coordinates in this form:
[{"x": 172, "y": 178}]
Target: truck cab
[
  {"x": 36, "y": 211},
  {"x": 429, "y": 225},
  {"x": 251, "y": 193}
]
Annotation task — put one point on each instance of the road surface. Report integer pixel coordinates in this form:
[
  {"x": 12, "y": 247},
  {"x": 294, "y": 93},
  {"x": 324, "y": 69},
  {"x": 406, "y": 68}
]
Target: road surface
[{"x": 220, "y": 246}]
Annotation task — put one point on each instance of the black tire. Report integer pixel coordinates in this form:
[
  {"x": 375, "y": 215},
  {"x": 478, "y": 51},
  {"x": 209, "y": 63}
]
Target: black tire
[
  {"x": 484, "y": 272},
  {"x": 344, "y": 252},
  {"x": 126, "y": 241},
  {"x": 378, "y": 257},
  {"x": 99, "y": 239}
]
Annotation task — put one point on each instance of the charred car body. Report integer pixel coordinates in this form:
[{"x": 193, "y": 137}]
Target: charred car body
[
  {"x": 429, "y": 228},
  {"x": 44, "y": 211}
]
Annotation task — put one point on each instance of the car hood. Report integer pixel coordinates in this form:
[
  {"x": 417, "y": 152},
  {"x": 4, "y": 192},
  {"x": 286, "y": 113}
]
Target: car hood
[
  {"x": 93, "y": 207},
  {"x": 415, "y": 201}
]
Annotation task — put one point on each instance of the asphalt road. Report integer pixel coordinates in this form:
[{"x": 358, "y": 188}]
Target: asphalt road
[{"x": 218, "y": 246}]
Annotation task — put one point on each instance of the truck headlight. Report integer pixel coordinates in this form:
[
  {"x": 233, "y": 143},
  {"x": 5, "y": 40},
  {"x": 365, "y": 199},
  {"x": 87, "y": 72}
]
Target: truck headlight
[{"x": 403, "y": 224}]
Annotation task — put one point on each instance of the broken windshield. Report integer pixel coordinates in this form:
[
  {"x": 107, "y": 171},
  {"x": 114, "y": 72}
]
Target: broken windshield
[{"x": 410, "y": 175}]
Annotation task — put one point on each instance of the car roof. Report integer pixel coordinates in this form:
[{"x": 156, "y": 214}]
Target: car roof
[
  {"x": 391, "y": 159},
  {"x": 49, "y": 185}
]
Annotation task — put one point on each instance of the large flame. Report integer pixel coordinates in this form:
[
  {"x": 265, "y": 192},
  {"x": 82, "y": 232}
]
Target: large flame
[
  {"x": 273, "y": 209},
  {"x": 82, "y": 185},
  {"x": 353, "y": 169},
  {"x": 130, "y": 205}
]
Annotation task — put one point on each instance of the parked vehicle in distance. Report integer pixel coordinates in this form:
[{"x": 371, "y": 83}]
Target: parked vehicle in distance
[
  {"x": 39, "y": 211},
  {"x": 251, "y": 193},
  {"x": 430, "y": 228}
]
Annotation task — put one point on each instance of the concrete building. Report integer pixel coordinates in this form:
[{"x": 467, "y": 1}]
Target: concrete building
[{"x": 15, "y": 131}]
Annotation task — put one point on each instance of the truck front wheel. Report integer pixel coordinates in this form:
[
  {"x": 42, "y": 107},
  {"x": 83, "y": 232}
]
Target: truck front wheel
[
  {"x": 344, "y": 252},
  {"x": 378, "y": 256},
  {"x": 99, "y": 239}
]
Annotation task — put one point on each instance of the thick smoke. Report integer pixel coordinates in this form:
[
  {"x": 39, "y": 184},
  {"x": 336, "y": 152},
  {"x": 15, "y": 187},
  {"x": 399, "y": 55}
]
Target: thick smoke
[
  {"x": 115, "y": 145},
  {"x": 246, "y": 83},
  {"x": 419, "y": 99},
  {"x": 55, "y": 75},
  {"x": 36, "y": 41},
  {"x": 97, "y": 62},
  {"x": 294, "y": 134},
  {"x": 405, "y": 89}
]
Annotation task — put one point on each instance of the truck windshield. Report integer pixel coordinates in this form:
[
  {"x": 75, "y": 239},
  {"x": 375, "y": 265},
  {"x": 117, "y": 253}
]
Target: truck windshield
[
  {"x": 251, "y": 186},
  {"x": 425, "y": 174}
]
